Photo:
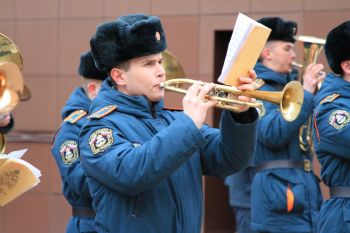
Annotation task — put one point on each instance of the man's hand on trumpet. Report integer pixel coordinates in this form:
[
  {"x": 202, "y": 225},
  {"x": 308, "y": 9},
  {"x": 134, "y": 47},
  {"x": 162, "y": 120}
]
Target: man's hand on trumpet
[
  {"x": 313, "y": 75},
  {"x": 244, "y": 83},
  {"x": 195, "y": 103}
]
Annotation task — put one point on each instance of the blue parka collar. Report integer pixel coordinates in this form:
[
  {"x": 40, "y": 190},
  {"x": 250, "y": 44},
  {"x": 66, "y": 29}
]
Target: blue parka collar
[
  {"x": 138, "y": 106},
  {"x": 77, "y": 101},
  {"x": 333, "y": 84},
  {"x": 267, "y": 74}
]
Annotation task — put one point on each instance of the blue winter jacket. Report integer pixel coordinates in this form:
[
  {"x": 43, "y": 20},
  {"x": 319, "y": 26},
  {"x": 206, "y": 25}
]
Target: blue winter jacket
[
  {"x": 279, "y": 139},
  {"x": 145, "y": 164},
  {"x": 67, "y": 156},
  {"x": 331, "y": 141}
]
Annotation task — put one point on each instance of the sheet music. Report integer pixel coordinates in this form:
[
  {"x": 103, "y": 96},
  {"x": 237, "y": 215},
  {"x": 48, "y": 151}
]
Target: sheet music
[{"x": 241, "y": 32}]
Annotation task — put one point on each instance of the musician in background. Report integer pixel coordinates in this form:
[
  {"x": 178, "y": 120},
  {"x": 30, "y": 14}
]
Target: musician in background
[
  {"x": 332, "y": 131},
  {"x": 65, "y": 146},
  {"x": 239, "y": 187},
  {"x": 145, "y": 163},
  {"x": 285, "y": 195}
]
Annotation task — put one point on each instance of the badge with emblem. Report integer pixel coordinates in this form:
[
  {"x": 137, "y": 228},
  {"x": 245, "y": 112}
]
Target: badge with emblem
[
  {"x": 100, "y": 140},
  {"x": 339, "y": 119},
  {"x": 69, "y": 152}
]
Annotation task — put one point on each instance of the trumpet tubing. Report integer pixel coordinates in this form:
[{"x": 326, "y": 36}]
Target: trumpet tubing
[{"x": 290, "y": 99}]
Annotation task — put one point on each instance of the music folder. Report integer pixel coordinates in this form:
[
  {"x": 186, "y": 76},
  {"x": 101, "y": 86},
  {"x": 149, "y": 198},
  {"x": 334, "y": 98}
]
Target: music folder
[
  {"x": 16, "y": 176},
  {"x": 246, "y": 43}
]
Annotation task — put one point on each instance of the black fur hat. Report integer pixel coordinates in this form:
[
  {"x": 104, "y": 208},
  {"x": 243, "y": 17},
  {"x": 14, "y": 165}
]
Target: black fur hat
[
  {"x": 128, "y": 37},
  {"x": 280, "y": 29},
  {"x": 337, "y": 47},
  {"x": 87, "y": 68}
]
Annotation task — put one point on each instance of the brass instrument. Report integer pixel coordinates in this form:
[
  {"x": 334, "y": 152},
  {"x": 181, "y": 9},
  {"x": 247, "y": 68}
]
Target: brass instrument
[
  {"x": 12, "y": 88},
  {"x": 312, "y": 48},
  {"x": 290, "y": 99}
]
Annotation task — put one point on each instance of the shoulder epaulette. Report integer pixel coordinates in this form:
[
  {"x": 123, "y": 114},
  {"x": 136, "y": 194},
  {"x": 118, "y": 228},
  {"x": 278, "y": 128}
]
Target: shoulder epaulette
[
  {"x": 75, "y": 116},
  {"x": 329, "y": 98},
  {"x": 103, "y": 112}
]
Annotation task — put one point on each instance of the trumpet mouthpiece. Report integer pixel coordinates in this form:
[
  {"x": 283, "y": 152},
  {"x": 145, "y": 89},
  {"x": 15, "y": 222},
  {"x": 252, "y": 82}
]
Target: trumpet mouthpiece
[
  {"x": 296, "y": 64},
  {"x": 162, "y": 85}
]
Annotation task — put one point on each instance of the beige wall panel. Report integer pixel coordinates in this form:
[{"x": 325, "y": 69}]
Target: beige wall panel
[
  {"x": 330, "y": 19},
  {"x": 171, "y": 7},
  {"x": 74, "y": 39},
  {"x": 81, "y": 8},
  {"x": 276, "y": 5},
  {"x": 7, "y": 10},
  {"x": 66, "y": 84},
  {"x": 327, "y": 5},
  {"x": 2, "y": 218},
  {"x": 182, "y": 40},
  {"x": 28, "y": 213},
  {"x": 116, "y": 8},
  {"x": 38, "y": 114},
  {"x": 55, "y": 183},
  {"x": 37, "y": 40},
  {"x": 36, "y": 9},
  {"x": 8, "y": 29},
  {"x": 224, "y": 6},
  {"x": 294, "y": 16},
  {"x": 60, "y": 212}
]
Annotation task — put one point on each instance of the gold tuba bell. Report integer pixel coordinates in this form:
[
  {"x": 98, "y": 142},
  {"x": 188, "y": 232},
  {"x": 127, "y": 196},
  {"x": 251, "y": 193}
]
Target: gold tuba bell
[
  {"x": 290, "y": 99},
  {"x": 312, "y": 48},
  {"x": 12, "y": 88}
]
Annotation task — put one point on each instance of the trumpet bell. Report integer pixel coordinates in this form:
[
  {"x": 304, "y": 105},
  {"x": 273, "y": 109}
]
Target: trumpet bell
[
  {"x": 11, "y": 86},
  {"x": 312, "y": 48},
  {"x": 9, "y": 51},
  {"x": 173, "y": 68},
  {"x": 3, "y": 142},
  {"x": 292, "y": 100}
]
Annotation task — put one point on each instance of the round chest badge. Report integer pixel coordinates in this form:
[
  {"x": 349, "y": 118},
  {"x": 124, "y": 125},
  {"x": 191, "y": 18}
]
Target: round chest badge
[
  {"x": 339, "y": 119},
  {"x": 100, "y": 140}
]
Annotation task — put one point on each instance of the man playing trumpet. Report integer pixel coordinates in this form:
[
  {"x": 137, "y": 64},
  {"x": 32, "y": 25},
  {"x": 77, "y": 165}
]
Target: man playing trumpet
[
  {"x": 146, "y": 175},
  {"x": 286, "y": 196}
]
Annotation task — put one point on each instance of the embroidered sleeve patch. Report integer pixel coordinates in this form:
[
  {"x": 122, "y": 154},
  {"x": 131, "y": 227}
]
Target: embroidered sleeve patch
[
  {"x": 100, "y": 140},
  {"x": 69, "y": 152},
  {"x": 339, "y": 119}
]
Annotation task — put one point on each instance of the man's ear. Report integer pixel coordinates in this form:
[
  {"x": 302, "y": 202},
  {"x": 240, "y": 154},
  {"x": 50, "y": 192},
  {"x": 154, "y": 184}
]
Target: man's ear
[
  {"x": 92, "y": 88},
  {"x": 345, "y": 65},
  {"x": 118, "y": 76},
  {"x": 265, "y": 54}
]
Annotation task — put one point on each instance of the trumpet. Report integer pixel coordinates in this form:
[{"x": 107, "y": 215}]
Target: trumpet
[{"x": 290, "y": 99}]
